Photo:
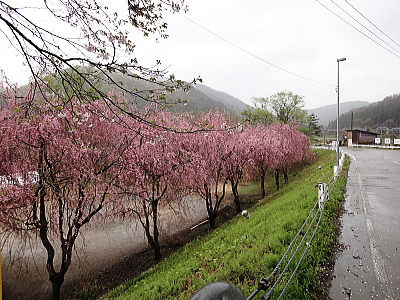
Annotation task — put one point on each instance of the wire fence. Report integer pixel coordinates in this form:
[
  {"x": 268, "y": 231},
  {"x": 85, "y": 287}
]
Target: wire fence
[
  {"x": 302, "y": 239},
  {"x": 286, "y": 267}
]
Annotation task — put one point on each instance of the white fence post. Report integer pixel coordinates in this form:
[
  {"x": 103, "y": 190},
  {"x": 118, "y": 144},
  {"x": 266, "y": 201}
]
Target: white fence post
[{"x": 323, "y": 194}]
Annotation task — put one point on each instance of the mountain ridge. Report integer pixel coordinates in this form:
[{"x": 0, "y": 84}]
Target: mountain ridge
[
  {"x": 328, "y": 113},
  {"x": 204, "y": 98},
  {"x": 235, "y": 104}
]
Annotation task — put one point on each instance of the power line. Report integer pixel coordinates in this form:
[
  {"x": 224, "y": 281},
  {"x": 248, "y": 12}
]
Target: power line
[
  {"x": 364, "y": 26},
  {"x": 372, "y": 23},
  {"x": 357, "y": 29},
  {"x": 257, "y": 57}
]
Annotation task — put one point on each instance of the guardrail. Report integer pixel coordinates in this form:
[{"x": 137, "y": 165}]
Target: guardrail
[
  {"x": 375, "y": 146},
  {"x": 303, "y": 239}
]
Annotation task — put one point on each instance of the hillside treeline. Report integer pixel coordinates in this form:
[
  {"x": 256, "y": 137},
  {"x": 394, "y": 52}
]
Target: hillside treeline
[
  {"x": 385, "y": 113},
  {"x": 193, "y": 100}
]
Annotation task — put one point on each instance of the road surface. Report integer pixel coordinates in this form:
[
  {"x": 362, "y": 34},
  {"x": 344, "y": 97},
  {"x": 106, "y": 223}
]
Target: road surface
[{"x": 369, "y": 266}]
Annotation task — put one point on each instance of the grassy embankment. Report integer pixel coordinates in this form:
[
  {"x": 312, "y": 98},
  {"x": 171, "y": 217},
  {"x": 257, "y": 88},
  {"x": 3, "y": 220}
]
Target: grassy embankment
[{"x": 242, "y": 251}]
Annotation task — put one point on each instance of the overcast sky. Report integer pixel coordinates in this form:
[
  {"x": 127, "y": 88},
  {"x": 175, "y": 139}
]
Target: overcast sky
[
  {"x": 302, "y": 37},
  {"x": 241, "y": 46}
]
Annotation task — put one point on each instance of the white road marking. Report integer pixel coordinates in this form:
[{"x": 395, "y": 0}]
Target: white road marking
[
  {"x": 377, "y": 261},
  {"x": 397, "y": 163}
]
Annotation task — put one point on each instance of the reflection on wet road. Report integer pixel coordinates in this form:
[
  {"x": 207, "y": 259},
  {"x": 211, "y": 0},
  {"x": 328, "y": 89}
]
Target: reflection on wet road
[{"x": 368, "y": 267}]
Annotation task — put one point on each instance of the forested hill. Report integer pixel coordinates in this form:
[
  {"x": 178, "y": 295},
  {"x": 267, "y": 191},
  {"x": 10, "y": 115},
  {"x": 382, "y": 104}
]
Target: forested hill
[
  {"x": 383, "y": 113},
  {"x": 204, "y": 98},
  {"x": 328, "y": 113},
  {"x": 198, "y": 98},
  {"x": 234, "y": 104}
]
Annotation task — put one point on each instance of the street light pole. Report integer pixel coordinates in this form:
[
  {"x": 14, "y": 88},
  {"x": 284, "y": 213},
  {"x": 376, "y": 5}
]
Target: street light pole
[{"x": 337, "y": 119}]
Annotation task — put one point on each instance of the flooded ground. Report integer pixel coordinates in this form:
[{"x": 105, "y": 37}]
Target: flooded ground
[{"x": 104, "y": 246}]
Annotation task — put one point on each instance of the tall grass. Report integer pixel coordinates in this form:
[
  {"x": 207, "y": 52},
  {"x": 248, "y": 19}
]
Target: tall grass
[{"x": 244, "y": 250}]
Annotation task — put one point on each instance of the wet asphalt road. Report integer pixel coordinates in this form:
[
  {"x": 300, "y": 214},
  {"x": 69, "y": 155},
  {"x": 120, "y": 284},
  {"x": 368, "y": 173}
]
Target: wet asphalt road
[{"x": 369, "y": 266}]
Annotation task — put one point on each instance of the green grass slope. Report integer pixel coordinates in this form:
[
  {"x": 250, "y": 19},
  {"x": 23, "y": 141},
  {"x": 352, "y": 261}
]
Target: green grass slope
[{"x": 244, "y": 250}]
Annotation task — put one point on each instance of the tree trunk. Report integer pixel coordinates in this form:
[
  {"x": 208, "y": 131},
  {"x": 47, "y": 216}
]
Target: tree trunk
[
  {"x": 285, "y": 175},
  {"x": 157, "y": 252},
  {"x": 56, "y": 280},
  {"x": 236, "y": 199},
  {"x": 213, "y": 209},
  {"x": 212, "y": 220},
  {"x": 276, "y": 173},
  {"x": 154, "y": 244},
  {"x": 262, "y": 180},
  {"x": 156, "y": 233},
  {"x": 152, "y": 237}
]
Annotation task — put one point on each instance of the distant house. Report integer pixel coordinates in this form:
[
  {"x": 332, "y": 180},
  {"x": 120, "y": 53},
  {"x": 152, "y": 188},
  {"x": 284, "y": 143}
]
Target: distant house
[{"x": 360, "y": 137}]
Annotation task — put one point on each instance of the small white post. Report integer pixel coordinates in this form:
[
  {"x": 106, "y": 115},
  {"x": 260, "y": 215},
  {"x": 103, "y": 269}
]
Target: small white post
[
  {"x": 323, "y": 194},
  {"x": 336, "y": 171}
]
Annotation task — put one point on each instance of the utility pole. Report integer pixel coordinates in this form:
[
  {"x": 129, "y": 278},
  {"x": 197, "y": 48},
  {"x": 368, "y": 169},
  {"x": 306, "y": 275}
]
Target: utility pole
[{"x": 337, "y": 120}]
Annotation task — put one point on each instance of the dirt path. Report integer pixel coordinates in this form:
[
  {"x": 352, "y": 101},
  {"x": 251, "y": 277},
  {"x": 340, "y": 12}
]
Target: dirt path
[{"x": 104, "y": 247}]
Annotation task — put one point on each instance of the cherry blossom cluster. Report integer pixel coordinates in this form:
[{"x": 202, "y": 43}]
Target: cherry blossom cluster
[
  {"x": 87, "y": 158},
  {"x": 61, "y": 169}
]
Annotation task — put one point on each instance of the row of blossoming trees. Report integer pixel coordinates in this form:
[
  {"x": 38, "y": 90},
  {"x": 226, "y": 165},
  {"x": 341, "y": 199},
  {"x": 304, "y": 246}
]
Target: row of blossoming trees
[{"x": 62, "y": 169}]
